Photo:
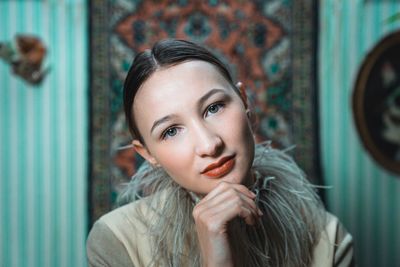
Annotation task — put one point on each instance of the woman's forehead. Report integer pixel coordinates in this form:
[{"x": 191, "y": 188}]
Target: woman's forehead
[
  {"x": 177, "y": 90},
  {"x": 187, "y": 79}
]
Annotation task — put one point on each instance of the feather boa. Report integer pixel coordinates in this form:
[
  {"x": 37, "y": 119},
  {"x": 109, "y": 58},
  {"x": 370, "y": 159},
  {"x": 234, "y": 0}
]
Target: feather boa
[{"x": 285, "y": 235}]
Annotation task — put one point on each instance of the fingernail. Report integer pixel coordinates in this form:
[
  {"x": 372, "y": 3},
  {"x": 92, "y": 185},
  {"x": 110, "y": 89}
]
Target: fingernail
[{"x": 260, "y": 212}]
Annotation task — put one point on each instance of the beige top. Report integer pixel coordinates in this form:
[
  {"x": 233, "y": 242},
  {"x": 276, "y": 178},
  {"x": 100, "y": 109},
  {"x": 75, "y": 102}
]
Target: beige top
[{"x": 119, "y": 239}]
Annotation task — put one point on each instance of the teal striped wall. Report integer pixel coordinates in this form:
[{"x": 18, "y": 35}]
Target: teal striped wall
[
  {"x": 43, "y": 140},
  {"x": 364, "y": 196}
]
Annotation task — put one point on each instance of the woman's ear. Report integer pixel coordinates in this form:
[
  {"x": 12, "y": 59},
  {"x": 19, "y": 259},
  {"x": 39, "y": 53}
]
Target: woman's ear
[
  {"x": 144, "y": 152},
  {"x": 243, "y": 94}
]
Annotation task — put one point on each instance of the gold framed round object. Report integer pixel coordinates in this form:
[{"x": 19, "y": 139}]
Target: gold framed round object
[{"x": 376, "y": 102}]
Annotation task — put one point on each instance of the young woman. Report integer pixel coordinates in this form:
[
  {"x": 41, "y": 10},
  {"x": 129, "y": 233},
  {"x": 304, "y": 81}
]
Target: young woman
[{"x": 207, "y": 195}]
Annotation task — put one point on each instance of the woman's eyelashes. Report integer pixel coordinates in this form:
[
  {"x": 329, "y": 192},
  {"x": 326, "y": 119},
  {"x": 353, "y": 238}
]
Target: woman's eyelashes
[
  {"x": 214, "y": 108},
  {"x": 173, "y": 130},
  {"x": 170, "y": 132}
]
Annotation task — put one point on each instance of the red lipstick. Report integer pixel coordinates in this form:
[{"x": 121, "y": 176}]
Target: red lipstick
[{"x": 219, "y": 168}]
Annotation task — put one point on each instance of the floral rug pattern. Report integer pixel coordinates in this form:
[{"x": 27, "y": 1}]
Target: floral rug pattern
[{"x": 256, "y": 39}]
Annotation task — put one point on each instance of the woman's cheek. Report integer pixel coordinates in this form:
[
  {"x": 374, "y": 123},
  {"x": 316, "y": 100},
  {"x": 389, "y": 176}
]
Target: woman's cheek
[
  {"x": 236, "y": 126},
  {"x": 175, "y": 157}
]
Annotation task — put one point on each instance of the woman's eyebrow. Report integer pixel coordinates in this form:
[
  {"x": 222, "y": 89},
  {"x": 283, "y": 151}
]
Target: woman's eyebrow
[
  {"x": 200, "y": 102},
  {"x": 209, "y": 94},
  {"x": 161, "y": 121}
]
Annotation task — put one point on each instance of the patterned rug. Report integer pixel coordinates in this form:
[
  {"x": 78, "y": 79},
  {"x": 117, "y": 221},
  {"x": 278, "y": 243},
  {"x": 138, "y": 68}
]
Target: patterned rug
[{"x": 269, "y": 46}]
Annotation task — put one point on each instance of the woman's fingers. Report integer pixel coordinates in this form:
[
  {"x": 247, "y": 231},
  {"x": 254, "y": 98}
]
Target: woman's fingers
[
  {"x": 230, "y": 194},
  {"x": 225, "y": 190},
  {"x": 216, "y": 218},
  {"x": 227, "y": 202},
  {"x": 223, "y": 186},
  {"x": 233, "y": 209}
]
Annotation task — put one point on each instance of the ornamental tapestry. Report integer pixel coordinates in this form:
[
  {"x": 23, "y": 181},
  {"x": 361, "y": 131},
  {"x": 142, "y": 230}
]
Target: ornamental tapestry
[{"x": 268, "y": 45}]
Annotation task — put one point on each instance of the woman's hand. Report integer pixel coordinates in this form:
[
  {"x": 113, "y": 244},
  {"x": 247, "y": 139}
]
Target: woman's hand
[{"x": 212, "y": 214}]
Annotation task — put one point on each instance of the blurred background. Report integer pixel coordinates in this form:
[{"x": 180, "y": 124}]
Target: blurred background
[{"x": 322, "y": 75}]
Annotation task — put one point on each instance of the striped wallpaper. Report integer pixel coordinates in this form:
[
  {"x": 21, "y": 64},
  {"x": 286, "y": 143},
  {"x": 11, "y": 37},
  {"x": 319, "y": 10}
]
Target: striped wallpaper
[
  {"x": 364, "y": 196},
  {"x": 43, "y": 140},
  {"x": 43, "y": 136}
]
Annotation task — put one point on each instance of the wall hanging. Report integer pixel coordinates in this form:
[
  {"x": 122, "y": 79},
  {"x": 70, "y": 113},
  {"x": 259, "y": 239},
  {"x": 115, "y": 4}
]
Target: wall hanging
[
  {"x": 269, "y": 45},
  {"x": 376, "y": 102},
  {"x": 25, "y": 55}
]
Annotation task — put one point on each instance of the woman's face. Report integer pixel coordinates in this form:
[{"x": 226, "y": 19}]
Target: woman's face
[{"x": 195, "y": 126}]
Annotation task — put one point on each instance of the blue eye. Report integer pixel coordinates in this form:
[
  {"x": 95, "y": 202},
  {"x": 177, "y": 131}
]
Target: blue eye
[
  {"x": 214, "y": 108},
  {"x": 170, "y": 132}
]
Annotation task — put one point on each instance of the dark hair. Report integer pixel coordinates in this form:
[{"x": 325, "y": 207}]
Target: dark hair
[{"x": 164, "y": 53}]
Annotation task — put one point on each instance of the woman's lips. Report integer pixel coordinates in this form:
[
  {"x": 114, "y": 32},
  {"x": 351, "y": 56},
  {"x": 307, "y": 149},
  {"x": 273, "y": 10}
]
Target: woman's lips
[{"x": 222, "y": 167}]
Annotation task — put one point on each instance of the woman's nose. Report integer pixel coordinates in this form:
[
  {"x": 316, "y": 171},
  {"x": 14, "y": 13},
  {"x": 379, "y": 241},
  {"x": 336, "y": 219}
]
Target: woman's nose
[{"x": 208, "y": 143}]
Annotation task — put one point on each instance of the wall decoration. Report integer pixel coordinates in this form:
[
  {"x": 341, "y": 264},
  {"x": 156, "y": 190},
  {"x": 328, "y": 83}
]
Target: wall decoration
[
  {"x": 25, "y": 55},
  {"x": 269, "y": 46},
  {"x": 376, "y": 102}
]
